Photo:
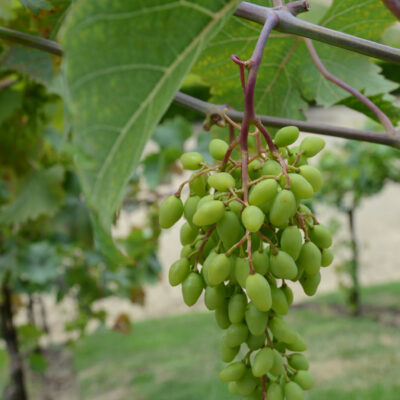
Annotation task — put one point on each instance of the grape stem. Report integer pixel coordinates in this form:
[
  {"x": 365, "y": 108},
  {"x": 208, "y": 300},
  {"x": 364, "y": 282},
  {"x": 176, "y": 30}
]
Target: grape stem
[
  {"x": 269, "y": 241},
  {"x": 383, "y": 118},
  {"x": 249, "y": 254},
  {"x": 204, "y": 242},
  {"x": 269, "y": 340},
  {"x": 393, "y": 6},
  {"x": 264, "y": 389},
  {"x": 196, "y": 175},
  {"x": 249, "y": 112},
  {"x": 236, "y": 245}
]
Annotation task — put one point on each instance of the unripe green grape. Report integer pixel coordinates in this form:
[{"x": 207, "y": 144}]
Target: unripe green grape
[
  {"x": 204, "y": 200},
  {"x": 229, "y": 229},
  {"x": 279, "y": 301},
  {"x": 298, "y": 362},
  {"x": 256, "y": 395},
  {"x": 293, "y": 391},
  {"x": 252, "y": 218},
  {"x": 255, "y": 342},
  {"x": 186, "y": 251},
  {"x": 294, "y": 155},
  {"x": 232, "y": 387},
  {"x": 263, "y": 362},
  {"x": 210, "y": 245},
  {"x": 279, "y": 346},
  {"x": 303, "y": 209},
  {"x": 298, "y": 345},
  {"x": 255, "y": 242},
  {"x": 233, "y": 372},
  {"x": 312, "y": 145},
  {"x": 259, "y": 292},
  {"x": 190, "y": 208},
  {"x": 228, "y": 353},
  {"x": 214, "y": 296},
  {"x": 305, "y": 380},
  {"x": 291, "y": 241},
  {"x": 171, "y": 210},
  {"x": 286, "y": 136},
  {"x": 283, "y": 208},
  {"x": 247, "y": 384},
  {"x": 300, "y": 187},
  {"x": 256, "y": 320},
  {"x": 237, "y": 307},
  {"x": 283, "y": 266},
  {"x": 187, "y": 234},
  {"x": 219, "y": 269},
  {"x": 277, "y": 367},
  {"x": 236, "y": 334},
  {"x": 321, "y": 236},
  {"x": 261, "y": 261},
  {"x": 255, "y": 169},
  {"x": 263, "y": 192},
  {"x": 288, "y": 293},
  {"x": 242, "y": 271},
  {"x": 327, "y": 257},
  {"x": 192, "y": 160},
  {"x": 192, "y": 287},
  {"x": 221, "y": 316},
  {"x": 282, "y": 331},
  {"x": 274, "y": 392},
  {"x": 198, "y": 186},
  {"x": 218, "y": 149},
  {"x": 310, "y": 283},
  {"x": 178, "y": 271},
  {"x": 271, "y": 167},
  {"x": 209, "y": 213},
  {"x": 236, "y": 207},
  {"x": 221, "y": 181},
  {"x": 266, "y": 207},
  {"x": 310, "y": 258},
  {"x": 313, "y": 176}
]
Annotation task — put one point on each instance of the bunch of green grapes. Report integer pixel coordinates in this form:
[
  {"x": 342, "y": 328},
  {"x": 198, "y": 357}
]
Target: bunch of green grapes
[{"x": 242, "y": 250}]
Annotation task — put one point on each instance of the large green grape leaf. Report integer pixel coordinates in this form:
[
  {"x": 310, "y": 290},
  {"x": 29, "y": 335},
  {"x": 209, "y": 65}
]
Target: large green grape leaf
[
  {"x": 124, "y": 62},
  {"x": 39, "y": 194},
  {"x": 287, "y": 77}
]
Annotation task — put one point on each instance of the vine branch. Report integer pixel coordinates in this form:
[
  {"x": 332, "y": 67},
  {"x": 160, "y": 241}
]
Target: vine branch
[
  {"x": 383, "y": 118},
  {"x": 311, "y": 127},
  {"x": 288, "y": 23}
]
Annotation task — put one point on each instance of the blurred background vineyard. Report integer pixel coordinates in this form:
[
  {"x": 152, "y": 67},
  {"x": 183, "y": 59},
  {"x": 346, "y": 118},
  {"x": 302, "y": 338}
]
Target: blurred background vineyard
[{"x": 106, "y": 325}]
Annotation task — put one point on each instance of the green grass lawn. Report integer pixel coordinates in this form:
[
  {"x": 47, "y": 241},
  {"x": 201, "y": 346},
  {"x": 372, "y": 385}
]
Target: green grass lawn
[{"x": 178, "y": 358}]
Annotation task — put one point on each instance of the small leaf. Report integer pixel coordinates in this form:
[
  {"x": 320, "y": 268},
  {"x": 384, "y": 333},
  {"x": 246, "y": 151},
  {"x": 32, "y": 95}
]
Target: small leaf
[
  {"x": 172, "y": 133},
  {"x": 123, "y": 324},
  {"x": 35, "y": 63},
  {"x": 36, "y": 5},
  {"x": 39, "y": 194}
]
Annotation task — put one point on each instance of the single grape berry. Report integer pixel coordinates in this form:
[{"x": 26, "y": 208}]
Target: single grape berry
[
  {"x": 263, "y": 362},
  {"x": 252, "y": 218},
  {"x": 171, "y": 210},
  {"x": 321, "y": 236},
  {"x": 259, "y": 291},
  {"x": 221, "y": 181},
  {"x": 178, "y": 271},
  {"x": 312, "y": 145},
  {"x": 283, "y": 208},
  {"x": 313, "y": 176},
  {"x": 233, "y": 372},
  {"x": 218, "y": 148},
  {"x": 286, "y": 136},
  {"x": 192, "y": 287},
  {"x": 192, "y": 161},
  {"x": 263, "y": 191},
  {"x": 209, "y": 213}
]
